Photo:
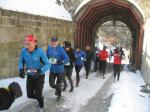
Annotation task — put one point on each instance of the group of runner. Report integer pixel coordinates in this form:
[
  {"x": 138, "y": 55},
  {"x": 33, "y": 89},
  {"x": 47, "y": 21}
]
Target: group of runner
[{"x": 60, "y": 61}]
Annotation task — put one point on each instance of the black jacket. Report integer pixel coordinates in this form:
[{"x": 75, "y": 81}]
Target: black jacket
[
  {"x": 89, "y": 55},
  {"x": 72, "y": 57},
  {"x": 8, "y": 96},
  {"x": 6, "y": 99},
  {"x": 121, "y": 53}
]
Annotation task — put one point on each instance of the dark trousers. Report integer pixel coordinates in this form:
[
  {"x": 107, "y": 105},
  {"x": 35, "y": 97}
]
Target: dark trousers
[
  {"x": 110, "y": 58},
  {"x": 96, "y": 64},
  {"x": 78, "y": 69},
  {"x": 117, "y": 70},
  {"x": 35, "y": 89},
  {"x": 87, "y": 66},
  {"x": 52, "y": 80},
  {"x": 6, "y": 99},
  {"x": 102, "y": 66},
  {"x": 68, "y": 74}
]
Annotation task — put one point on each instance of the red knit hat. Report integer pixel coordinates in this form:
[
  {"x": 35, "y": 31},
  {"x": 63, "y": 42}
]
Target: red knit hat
[{"x": 31, "y": 38}]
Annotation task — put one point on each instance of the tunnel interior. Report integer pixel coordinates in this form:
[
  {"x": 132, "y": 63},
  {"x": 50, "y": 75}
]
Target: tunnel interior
[
  {"x": 113, "y": 34},
  {"x": 96, "y": 12}
]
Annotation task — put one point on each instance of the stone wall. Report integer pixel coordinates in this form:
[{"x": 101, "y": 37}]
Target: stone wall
[
  {"x": 13, "y": 28},
  {"x": 146, "y": 53},
  {"x": 145, "y": 5}
]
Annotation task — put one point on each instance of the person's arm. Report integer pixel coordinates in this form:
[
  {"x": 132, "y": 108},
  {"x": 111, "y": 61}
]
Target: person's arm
[
  {"x": 21, "y": 65},
  {"x": 106, "y": 54},
  {"x": 47, "y": 52},
  {"x": 73, "y": 56},
  {"x": 65, "y": 57},
  {"x": 83, "y": 54},
  {"x": 21, "y": 61},
  {"x": 99, "y": 54},
  {"x": 45, "y": 61},
  {"x": 92, "y": 55}
]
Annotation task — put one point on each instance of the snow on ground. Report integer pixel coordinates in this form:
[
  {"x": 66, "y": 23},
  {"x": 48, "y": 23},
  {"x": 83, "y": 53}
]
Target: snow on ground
[
  {"x": 86, "y": 90},
  {"x": 127, "y": 96},
  {"x": 80, "y": 96},
  {"x": 22, "y": 82},
  {"x": 38, "y": 7}
]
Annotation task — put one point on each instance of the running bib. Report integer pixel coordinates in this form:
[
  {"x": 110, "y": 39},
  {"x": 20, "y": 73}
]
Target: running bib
[
  {"x": 83, "y": 59},
  {"x": 53, "y": 60},
  {"x": 67, "y": 64}
]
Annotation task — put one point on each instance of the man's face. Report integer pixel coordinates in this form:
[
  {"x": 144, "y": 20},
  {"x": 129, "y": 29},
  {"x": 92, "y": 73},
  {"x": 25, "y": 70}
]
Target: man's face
[
  {"x": 87, "y": 48},
  {"x": 104, "y": 48},
  {"x": 67, "y": 48},
  {"x": 54, "y": 43},
  {"x": 30, "y": 46},
  {"x": 77, "y": 49}
]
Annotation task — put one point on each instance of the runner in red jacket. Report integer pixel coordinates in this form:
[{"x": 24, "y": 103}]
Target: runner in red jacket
[
  {"x": 103, "y": 55},
  {"x": 117, "y": 64}
]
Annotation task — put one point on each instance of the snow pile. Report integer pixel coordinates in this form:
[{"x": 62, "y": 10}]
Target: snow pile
[
  {"x": 38, "y": 7},
  {"x": 127, "y": 96}
]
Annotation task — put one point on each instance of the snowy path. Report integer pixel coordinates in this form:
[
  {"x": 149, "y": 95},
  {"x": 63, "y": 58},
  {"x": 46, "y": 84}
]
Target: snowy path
[
  {"x": 128, "y": 95},
  {"x": 93, "y": 95},
  {"x": 72, "y": 101},
  {"x": 101, "y": 101}
]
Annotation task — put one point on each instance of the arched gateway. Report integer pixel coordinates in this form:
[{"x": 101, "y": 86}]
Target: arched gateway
[{"x": 92, "y": 13}]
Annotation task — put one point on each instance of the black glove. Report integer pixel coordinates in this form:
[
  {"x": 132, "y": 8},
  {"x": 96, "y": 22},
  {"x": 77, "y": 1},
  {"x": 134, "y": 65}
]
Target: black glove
[
  {"x": 39, "y": 71},
  {"x": 22, "y": 73},
  {"x": 59, "y": 62}
]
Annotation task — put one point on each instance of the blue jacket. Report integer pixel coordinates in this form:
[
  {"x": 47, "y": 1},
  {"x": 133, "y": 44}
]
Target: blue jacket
[
  {"x": 80, "y": 57},
  {"x": 60, "y": 55},
  {"x": 35, "y": 60}
]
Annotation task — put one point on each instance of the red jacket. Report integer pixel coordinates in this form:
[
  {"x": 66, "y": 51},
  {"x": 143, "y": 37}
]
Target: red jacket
[
  {"x": 117, "y": 59},
  {"x": 103, "y": 55}
]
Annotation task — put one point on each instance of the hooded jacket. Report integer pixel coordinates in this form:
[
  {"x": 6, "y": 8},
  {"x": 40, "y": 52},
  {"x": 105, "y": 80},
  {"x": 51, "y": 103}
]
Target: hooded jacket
[
  {"x": 35, "y": 60},
  {"x": 72, "y": 57},
  {"x": 80, "y": 57},
  {"x": 103, "y": 55},
  {"x": 59, "y": 54}
]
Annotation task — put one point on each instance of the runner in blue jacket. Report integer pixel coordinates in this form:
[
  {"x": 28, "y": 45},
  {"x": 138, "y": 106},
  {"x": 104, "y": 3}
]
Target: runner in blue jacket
[
  {"x": 37, "y": 64},
  {"x": 36, "y": 60},
  {"x": 80, "y": 58},
  {"x": 57, "y": 57}
]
